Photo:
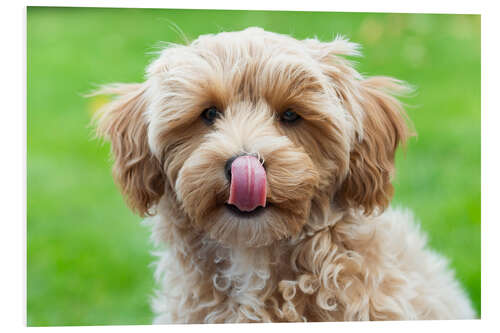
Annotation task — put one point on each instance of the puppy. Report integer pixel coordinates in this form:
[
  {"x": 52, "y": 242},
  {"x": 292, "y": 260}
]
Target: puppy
[{"x": 264, "y": 165}]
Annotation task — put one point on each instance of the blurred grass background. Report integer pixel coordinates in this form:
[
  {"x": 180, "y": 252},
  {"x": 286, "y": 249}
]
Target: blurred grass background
[{"x": 88, "y": 256}]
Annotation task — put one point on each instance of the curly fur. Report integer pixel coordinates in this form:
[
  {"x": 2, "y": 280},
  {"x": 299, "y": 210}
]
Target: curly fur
[{"x": 327, "y": 247}]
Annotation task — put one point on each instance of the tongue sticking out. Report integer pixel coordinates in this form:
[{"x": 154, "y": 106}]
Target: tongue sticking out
[{"x": 248, "y": 183}]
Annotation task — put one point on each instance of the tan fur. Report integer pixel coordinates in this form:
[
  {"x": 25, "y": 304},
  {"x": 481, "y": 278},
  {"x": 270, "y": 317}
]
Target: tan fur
[
  {"x": 372, "y": 159},
  {"x": 327, "y": 247},
  {"x": 135, "y": 169}
]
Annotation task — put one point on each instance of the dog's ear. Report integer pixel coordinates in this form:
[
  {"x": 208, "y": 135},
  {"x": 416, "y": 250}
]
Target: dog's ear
[
  {"x": 123, "y": 123},
  {"x": 379, "y": 125},
  {"x": 384, "y": 128}
]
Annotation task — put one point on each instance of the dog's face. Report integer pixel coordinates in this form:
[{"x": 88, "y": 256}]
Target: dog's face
[{"x": 254, "y": 135}]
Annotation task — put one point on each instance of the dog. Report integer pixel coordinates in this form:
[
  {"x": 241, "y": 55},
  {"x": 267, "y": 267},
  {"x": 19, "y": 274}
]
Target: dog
[{"x": 263, "y": 164}]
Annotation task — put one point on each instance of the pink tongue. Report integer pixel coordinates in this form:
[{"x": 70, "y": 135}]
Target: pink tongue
[{"x": 248, "y": 183}]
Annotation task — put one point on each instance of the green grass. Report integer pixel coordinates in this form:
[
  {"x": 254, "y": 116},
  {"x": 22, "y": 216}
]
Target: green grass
[{"x": 88, "y": 256}]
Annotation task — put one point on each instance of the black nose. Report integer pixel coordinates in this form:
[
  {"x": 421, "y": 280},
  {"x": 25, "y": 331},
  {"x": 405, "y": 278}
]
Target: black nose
[{"x": 227, "y": 167}]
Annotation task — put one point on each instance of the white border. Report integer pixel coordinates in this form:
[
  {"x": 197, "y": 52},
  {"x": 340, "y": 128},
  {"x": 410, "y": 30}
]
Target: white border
[{"x": 13, "y": 138}]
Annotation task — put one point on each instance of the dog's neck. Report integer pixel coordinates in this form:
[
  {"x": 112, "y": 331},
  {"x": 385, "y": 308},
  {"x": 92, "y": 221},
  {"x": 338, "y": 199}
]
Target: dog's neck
[
  {"x": 237, "y": 277},
  {"x": 232, "y": 266}
]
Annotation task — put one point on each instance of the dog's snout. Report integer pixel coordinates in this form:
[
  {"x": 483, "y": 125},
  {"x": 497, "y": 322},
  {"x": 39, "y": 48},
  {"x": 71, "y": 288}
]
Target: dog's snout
[{"x": 229, "y": 162}]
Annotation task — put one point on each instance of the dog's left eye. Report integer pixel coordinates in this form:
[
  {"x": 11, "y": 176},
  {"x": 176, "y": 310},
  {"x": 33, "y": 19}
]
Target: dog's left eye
[
  {"x": 210, "y": 114},
  {"x": 289, "y": 116}
]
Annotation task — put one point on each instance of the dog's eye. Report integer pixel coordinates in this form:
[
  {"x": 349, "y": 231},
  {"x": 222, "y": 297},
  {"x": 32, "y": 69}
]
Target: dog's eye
[
  {"x": 210, "y": 114},
  {"x": 289, "y": 116}
]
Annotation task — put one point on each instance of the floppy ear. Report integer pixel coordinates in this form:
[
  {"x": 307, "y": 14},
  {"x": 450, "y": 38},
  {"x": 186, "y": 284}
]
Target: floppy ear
[
  {"x": 379, "y": 123},
  {"x": 383, "y": 129},
  {"x": 123, "y": 123}
]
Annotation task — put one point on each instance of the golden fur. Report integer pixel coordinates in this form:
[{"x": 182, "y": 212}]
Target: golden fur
[{"x": 326, "y": 247}]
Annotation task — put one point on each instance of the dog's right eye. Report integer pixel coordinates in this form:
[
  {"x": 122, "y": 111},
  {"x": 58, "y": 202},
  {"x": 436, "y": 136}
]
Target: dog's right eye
[
  {"x": 289, "y": 116},
  {"x": 210, "y": 114}
]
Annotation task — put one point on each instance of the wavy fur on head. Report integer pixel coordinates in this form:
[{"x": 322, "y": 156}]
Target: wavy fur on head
[{"x": 327, "y": 247}]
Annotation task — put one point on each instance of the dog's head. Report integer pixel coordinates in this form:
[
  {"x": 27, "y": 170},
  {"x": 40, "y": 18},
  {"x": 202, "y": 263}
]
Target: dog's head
[{"x": 255, "y": 134}]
